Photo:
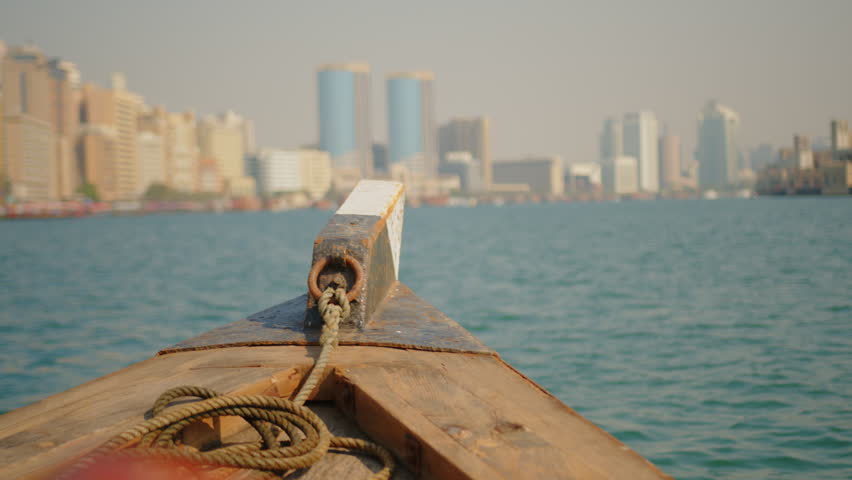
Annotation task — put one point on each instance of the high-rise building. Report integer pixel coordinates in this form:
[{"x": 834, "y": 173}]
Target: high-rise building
[
  {"x": 344, "y": 117},
  {"x": 840, "y": 139},
  {"x": 620, "y": 175},
  {"x": 30, "y": 153},
  {"x": 542, "y": 174},
  {"x": 152, "y": 161},
  {"x": 3, "y": 179},
  {"x": 611, "y": 139},
  {"x": 155, "y": 121},
  {"x": 802, "y": 152},
  {"x": 289, "y": 171},
  {"x": 224, "y": 138},
  {"x": 64, "y": 98},
  {"x": 248, "y": 136},
  {"x": 470, "y": 135},
  {"x": 411, "y": 123},
  {"x": 640, "y": 142},
  {"x": 182, "y": 162},
  {"x": 109, "y": 144},
  {"x": 670, "y": 167},
  {"x": 717, "y": 151}
]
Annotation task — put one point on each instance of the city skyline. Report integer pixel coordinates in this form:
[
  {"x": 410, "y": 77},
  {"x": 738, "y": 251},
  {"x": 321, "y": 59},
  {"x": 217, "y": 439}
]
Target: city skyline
[{"x": 775, "y": 80}]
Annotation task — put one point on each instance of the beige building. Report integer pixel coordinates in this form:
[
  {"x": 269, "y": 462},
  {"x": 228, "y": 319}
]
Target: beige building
[
  {"x": 173, "y": 130},
  {"x": 64, "y": 98},
  {"x": 30, "y": 162},
  {"x": 288, "y": 171},
  {"x": 840, "y": 138},
  {"x": 109, "y": 143},
  {"x": 209, "y": 180},
  {"x": 316, "y": 172},
  {"x": 670, "y": 176},
  {"x": 542, "y": 174},
  {"x": 225, "y": 138},
  {"x": 2, "y": 148},
  {"x": 183, "y": 155},
  {"x": 620, "y": 175},
  {"x": 152, "y": 161}
]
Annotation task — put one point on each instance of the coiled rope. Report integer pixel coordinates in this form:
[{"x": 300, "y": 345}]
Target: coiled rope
[{"x": 309, "y": 438}]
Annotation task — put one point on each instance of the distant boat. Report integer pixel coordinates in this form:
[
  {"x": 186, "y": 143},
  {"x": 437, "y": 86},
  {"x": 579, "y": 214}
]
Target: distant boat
[{"x": 710, "y": 195}]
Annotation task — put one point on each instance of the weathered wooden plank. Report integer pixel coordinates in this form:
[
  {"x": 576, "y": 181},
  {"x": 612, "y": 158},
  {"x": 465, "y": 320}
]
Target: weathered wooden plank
[
  {"x": 471, "y": 416},
  {"x": 447, "y": 415},
  {"x": 402, "y": 320},
  {"x": 65, "y": 425}
]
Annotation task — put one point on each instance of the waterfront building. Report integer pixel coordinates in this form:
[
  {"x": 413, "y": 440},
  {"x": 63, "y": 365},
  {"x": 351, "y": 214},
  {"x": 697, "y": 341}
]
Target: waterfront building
[
  {"x": 822, "y": 157},
  {"x": 344, "y": 118},
  {"x": 470, "y": 135},
  {"x": 249, "y": 140},
  {"x": 837, "y": 178},
  {"x": 109, "y": 144},
  {"x": 411, "y": 123},
  {"x": 543, "y": 174},
  {"x": 30, "y": 153},
  {"x": 786, "y": 157},
  {"x": 209, "y": 179},
  {"x": 803, "y": 156},
  {"x": 64, "y": 98},
  {"x": 3, "y": 177},
  {"x": 223, "y": 138},
  {"x": 468, "y": 168},
  {"x": 182, "y": 161},
  {"x": 717, "y": 151},
  {"x": 670, "y": 168},
  {"x": 840, "y": 139},
  {"x": 2, "y": 148},
  {"x": 152, "y": 162},
  {"x": 583, "y": 177},
  {"x": 155, "y": 122},
  {"x": 611, "y": 139},
  {"x": 620, "y": 175},
  {"x": 289, "y": 171},
  {"x": 640, "y": 142}
]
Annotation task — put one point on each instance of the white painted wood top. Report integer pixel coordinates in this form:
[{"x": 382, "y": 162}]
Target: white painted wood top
[{"x": 380, "y": 198}]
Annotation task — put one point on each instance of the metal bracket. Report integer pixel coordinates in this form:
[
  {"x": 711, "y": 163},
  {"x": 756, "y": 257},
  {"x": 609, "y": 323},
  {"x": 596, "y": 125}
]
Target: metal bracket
[{"x": 359, "y": 250}]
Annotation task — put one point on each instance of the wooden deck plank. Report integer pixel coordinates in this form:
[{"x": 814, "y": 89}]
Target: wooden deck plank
[
  {"x": 448, "y": 415},
  {"x": 475, "y": 407}
]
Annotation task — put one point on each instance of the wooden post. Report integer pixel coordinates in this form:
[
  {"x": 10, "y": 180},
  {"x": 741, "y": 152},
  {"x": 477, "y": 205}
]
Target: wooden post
[{"x": 359, "y": 249}]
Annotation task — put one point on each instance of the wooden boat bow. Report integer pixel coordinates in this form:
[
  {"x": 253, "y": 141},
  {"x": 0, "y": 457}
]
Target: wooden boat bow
[{"x": 405, "y": 375}]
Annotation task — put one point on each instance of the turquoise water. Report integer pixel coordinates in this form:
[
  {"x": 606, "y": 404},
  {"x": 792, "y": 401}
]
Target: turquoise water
[{"x": 711, "y": 336}]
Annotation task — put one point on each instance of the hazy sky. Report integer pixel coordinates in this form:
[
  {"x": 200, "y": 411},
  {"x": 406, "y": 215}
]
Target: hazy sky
[{"x": 547, "y": 73}]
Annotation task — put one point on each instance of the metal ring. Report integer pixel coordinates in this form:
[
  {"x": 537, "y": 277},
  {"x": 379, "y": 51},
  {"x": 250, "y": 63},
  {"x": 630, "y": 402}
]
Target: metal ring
[{"x": 351, "y": 262}]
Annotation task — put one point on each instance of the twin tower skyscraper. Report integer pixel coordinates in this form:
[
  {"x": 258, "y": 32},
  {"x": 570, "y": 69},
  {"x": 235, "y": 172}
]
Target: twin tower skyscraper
[{"x": 345, "y": 129}]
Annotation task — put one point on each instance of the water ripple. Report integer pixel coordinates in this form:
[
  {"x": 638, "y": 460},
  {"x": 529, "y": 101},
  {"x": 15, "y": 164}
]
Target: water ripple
[{"x": 711, "y": 337}]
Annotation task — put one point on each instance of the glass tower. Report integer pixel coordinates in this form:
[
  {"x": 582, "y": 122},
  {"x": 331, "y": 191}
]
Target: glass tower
[
  {"x": 411, "y": 123},
  {"x": 344, "y": 116}
]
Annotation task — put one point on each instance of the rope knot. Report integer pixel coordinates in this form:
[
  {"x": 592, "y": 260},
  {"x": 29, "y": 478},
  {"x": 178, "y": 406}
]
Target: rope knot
[{"x": 332, "y": 313}]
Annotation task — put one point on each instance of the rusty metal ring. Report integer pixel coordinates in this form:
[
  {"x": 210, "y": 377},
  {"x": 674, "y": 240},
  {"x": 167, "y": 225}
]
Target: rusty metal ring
[{"x": 351, "y": 262}]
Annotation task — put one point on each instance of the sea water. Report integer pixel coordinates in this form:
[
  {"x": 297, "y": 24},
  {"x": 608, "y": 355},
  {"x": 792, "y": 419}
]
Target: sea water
[{"x": 713, "y": 337}]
